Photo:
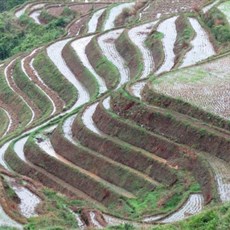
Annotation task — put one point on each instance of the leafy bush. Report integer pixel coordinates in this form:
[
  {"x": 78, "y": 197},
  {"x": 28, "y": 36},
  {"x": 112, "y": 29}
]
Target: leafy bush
[
  {"x": 218, "y": 24},
  {"x": 9, "y": 4},
  {"x": 25, "y": 35}
]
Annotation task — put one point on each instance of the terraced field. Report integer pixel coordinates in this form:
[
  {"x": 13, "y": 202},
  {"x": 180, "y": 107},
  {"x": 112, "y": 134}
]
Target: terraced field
[{"x": 126, "y": 116}]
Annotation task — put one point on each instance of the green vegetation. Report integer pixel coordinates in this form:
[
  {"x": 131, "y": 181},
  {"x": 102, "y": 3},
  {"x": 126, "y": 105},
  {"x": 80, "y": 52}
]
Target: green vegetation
[
  {"x": 65, "y": 18},
  {"x": 57, "y": 213},
  {"x": 55, "y": 80},
  {"x": 217, "y": 218},
  {"x": 121, "y": 227},
  {"x": 9, "y": 4},
  {"x": 25, "y": 34},
  {"x": 161, "y": 200},
  {"x": 218, "y": 25}
]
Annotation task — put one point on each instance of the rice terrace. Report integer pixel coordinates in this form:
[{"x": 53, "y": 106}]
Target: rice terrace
[{"x": 115, "y": 114}]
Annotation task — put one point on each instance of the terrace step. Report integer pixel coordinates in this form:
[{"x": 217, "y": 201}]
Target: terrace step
[
  {"x": 80, "y": 72},
  {"x": 54, "y": 52},
  {"x": 93, "y": 21},
  {"x": 159, "y": 99},
  {"x": 28, "y": 68},
  {"x": 196, "y": 122},
  {"x": 6, "y": 122},
  {"x": 174, "y": 126},
  {"x": 110, "y": 170},
  {"x": 145, "y": 162},
  {"x": 11, "y": 84},
  {"x": 43, "y": 155},
  {"x": 221, "y": 171},
  {"x": 101, "y": 63},
  {"x": 168, "y": 29},
  {"x": 201, "y": 46},
  {"x": 106, "y": 43},
  {"x": 138, "y": 36},
  {"x": 42, "y": 106},
  {"x": 129, "y": 131},
  {"x": 113, "y": 12},
  {"x": 130, "y": 53},
  {"x": 54, "y": 80},
  {"x": 79, "y": 47},
  {"x": 37, "y": 173}
]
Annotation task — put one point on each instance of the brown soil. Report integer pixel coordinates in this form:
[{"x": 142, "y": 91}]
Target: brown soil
[
  {"x": 85, "y": 216},
  {"x": 156, "y": 48},
  {"x": 128, "y": 15},
  {"x": 78, "y": 26},
  {"x": 101, "y": 21},
  {"x": 182, "y": 46}
]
